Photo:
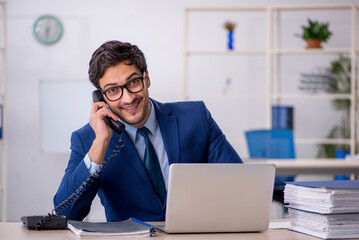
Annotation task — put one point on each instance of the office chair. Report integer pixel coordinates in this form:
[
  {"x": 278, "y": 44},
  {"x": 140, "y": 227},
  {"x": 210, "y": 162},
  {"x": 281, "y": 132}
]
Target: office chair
[{"x": 273, "y": 143}]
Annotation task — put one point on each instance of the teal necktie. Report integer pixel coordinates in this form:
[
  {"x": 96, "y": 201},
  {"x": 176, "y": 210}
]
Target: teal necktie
[{"x": 153, "y": 166}]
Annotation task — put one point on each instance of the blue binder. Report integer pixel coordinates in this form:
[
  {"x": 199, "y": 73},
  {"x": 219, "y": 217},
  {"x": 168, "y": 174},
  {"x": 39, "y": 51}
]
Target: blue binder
[{"x": 339, "y": 184}]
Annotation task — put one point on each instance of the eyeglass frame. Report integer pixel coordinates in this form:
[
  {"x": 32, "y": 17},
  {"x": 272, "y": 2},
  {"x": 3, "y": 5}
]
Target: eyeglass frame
[{"x": 125, "y": 86}]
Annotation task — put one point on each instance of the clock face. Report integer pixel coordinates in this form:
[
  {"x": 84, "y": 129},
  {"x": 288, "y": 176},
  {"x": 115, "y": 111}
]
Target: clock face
[{"x": 47, "y": 29}]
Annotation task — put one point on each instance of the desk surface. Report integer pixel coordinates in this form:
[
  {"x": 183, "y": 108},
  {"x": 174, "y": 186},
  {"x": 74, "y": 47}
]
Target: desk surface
[
  {"x": 16, "y": 231},
  {"x": 311, "y": 166}
]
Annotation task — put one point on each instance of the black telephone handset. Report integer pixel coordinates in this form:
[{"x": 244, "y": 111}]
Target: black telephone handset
[
  {"x": 57, "y": 222},
  {"x": 117, "y": 126}
]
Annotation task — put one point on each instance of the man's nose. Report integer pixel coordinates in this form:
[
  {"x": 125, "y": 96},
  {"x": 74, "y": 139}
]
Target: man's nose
[{"x": 127, "y": 96}]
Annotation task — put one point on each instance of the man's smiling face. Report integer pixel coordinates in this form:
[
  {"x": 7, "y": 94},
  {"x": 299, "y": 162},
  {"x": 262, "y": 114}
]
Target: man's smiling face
[{"x": 132, "y": 108}]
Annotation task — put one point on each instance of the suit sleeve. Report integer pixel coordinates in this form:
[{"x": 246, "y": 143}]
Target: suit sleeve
[
  {"x": 219, "y": 149},
  {"x": 75, "y": 174}
]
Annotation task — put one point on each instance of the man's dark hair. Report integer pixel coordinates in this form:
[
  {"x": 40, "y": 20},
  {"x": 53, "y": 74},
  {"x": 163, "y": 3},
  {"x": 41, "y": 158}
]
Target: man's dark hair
[{"x": 112, "y": 53}]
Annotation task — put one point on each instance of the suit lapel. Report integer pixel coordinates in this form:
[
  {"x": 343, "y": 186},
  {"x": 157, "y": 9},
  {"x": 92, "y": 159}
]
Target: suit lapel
[{"x": 169, "y": 130}]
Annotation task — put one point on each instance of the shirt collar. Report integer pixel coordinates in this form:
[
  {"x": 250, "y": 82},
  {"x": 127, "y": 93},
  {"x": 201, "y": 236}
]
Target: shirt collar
[{"x": 151, "y": 124}]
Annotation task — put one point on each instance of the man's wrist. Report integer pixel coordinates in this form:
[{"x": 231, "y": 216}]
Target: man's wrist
[
  {"x": 91, "y": 166},
  {"x": 98, "y": 150}
]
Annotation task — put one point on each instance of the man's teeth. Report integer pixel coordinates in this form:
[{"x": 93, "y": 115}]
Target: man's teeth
[{"x": 131, "y": 107}]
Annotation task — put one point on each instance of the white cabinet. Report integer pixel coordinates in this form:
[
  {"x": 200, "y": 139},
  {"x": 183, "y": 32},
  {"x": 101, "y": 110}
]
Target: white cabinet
[
  {"x": 241, "y": 85},
  {"x": 3, "y": 68}
]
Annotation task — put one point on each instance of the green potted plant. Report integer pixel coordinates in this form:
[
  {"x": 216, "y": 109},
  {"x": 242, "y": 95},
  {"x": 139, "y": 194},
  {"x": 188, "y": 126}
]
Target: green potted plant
[
  {"x": 339, "y": 73},
  {"x": 336, "y": 78},
  {"x": 315, "y": 33}
]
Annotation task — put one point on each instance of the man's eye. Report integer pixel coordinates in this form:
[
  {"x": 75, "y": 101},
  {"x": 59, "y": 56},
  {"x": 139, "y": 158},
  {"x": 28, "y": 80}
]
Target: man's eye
[
  {"x": 113, "y": 90},
  {"x": 133, "y": 82}
]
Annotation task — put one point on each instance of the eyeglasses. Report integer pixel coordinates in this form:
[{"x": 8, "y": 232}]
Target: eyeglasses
[{"x": 134, "y": 86}]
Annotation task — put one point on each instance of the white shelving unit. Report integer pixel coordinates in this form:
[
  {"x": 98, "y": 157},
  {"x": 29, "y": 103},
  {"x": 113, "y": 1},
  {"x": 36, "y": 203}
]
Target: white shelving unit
[
  {"x": 3, "y": 184},
  {"x": 272, "y": 55},
  {"x": 277, "y": 51}
]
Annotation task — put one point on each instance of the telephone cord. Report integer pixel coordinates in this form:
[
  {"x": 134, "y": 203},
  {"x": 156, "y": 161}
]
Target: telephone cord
[{"x": 80, "y": 190}]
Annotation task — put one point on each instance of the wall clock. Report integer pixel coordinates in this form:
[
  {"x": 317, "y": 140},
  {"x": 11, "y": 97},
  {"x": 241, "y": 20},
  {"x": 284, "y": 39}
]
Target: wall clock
[{"x": 47, "y": 29}]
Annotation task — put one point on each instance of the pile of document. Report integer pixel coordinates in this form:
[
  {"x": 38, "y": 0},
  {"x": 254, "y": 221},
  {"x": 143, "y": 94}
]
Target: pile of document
[{"x": 325, "y": 209}]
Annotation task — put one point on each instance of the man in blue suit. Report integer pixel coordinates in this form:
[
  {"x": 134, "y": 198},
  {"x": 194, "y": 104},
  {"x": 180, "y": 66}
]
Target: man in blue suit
[{"x": 182, "y": 132}]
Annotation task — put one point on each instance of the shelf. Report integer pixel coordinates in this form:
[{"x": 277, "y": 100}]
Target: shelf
[
  {"x": 322, "y": 141},
  {"x": 312, "y": 51},
  {"x": 274, "y": 96},
  {"x": 312, "y": 96},
  {"x": 314, "y": 7},
  {"x": 305, "y": 141},
  {"x": 303, "y": 51},
  {"x": 225, "y": 9},
  {"x": 292, "y": 7},
  {"x": 231, "y": 96},
  {"x": 219, "y": 52}
]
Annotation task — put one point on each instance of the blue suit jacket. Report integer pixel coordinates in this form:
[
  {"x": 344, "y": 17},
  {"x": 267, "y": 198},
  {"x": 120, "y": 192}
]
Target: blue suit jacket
[{"x": 190, "y": 135}]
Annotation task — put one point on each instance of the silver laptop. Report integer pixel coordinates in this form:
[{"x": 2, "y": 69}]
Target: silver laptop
[{"x": 219, "y": 198}]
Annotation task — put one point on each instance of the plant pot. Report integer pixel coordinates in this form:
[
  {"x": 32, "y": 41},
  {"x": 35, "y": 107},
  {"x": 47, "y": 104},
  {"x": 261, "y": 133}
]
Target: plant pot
[{"x": 313, "y": 43}]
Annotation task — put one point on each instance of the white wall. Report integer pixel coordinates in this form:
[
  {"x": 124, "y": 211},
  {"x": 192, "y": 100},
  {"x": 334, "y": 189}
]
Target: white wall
[{"x": 155, "y": 26}]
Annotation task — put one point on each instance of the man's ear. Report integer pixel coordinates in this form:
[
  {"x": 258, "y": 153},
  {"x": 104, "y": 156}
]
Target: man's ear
[{"x": 147, "y": 79}]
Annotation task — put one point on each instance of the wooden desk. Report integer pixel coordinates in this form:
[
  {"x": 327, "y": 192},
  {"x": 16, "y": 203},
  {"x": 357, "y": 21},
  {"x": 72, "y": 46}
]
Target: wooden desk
[
  {"x": 16, "y": 231},
  {"x": 311, "y": 166}
]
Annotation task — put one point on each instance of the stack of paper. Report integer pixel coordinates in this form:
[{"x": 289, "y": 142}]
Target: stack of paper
[
  {"x": 325, "y": 209},
  {"x": 129, "y": 228}
]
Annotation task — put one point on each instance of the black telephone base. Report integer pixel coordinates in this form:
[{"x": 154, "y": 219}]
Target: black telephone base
[{"x": 45, "y": 222}]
